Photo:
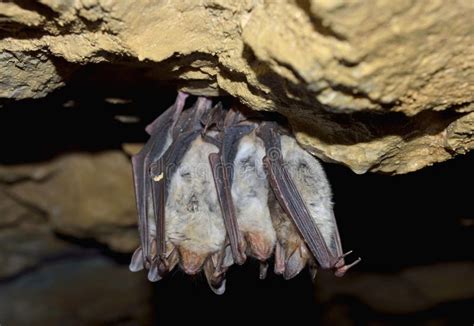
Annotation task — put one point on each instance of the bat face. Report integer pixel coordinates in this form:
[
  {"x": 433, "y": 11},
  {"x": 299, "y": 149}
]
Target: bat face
[{"x": 214, "y": 186}]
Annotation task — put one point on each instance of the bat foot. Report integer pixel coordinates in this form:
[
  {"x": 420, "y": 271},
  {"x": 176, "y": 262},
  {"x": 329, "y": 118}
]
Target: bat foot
[
  {"x": 341, "y": 270},
  {"x": 163, "y": 267},
  {"x": 239, "y": 257}
]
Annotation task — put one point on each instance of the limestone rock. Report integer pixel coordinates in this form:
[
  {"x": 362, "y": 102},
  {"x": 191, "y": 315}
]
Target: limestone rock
[
  {"x": 413, "y": 289},
  {"x": 87, "y": 291},
  {"x": 382, "y": 87},
  {"x": 10, "y": 211},
  {"x": 84, "y": 195},
  {"x": 25, "y": 238},
  {"x": 26, "y": 247},
  {"x": 45, "y": 280}
]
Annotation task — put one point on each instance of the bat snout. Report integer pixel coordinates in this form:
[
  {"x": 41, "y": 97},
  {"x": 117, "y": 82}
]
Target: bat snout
[
  {"x": 191, "y": 262},
  {"x": 260, "y": 247}
]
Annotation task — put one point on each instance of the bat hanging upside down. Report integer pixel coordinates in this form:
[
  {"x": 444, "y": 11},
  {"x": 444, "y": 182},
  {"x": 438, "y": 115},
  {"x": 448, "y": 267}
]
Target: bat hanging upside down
[{"x": 216, "y": 185}]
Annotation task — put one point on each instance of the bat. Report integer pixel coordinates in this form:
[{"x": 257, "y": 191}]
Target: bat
[
  {"x": 301, "y": 188},
  {"x": 242, "y": 190},
  {"x": 152, "y": 167},
  {"x": 215, "y": 185},
  {"x": 160, "y": 129},
  {"x": 221, "y": 164},
  {"x": 249, "y": 192}
]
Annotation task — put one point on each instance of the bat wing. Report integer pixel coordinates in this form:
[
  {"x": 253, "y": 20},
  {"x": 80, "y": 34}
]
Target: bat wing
[
  {"x": 176, "y": 109},
  {"x": 185, "y": 131},
  {"x": 221, "y": 165},
  {"x": 290, "y": 199},
  {"x": 171, "y": 134},
  {"x": 151, "y": 151},
  {"x": 215, "y": 269}
]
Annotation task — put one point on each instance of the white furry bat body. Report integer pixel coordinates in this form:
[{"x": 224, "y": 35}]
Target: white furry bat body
[{"x": 214, "y": 186}]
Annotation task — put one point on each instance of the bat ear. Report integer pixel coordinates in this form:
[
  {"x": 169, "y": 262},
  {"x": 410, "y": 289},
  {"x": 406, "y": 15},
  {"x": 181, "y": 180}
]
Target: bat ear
[
  {"x": 137, "y": 263},
  {"x": 153, "y": 274},
  {"x": 294, "y": 264},
  {"x": 220, "y": 289},
  {"x": 313, "y": 270},
  {"x": 263, "y": 270},
  {"x": 215, "y": 273}
]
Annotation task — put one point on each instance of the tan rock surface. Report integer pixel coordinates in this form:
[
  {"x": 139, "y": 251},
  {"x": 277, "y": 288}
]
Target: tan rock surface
[
  {"x": 26, "y": 240},
  {"x": 87, "y": 291},
  {"x": 390, "y": 66},
  {"x": 26, "y": 247},
  {"x": 413, "y": 289},
  {"x": 84, "y": 195}
]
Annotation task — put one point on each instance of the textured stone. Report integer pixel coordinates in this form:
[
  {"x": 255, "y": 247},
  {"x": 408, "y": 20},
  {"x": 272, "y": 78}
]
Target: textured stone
[
  {"x": 389, "y": 66},
  {"x": 25, "y": 238},
  {"x": 26, "y": 247},
  {"x": 413, "y": 289},
  {"x": 84, "y": 195},
  {"x": 88, "y": 291},
  {"x": 30, "y": 74},
  {"x": 11, "y": 212}
]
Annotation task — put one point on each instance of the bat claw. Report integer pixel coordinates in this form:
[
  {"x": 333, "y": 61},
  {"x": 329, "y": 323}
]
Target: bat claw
[
  {"x": 166, "y": 262},
  {"x": 240, "y": 258},
  {"x": 163, "y": 266},
  {"x": 344, "y": 255},
  {"x": 341, "y": 270}
]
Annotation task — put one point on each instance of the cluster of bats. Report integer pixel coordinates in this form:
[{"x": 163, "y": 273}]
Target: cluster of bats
[{"x": 216, "y": 185}]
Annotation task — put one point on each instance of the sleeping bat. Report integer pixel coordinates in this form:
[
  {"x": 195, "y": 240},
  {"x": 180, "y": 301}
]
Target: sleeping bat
[
  {"x": 216, "y": 185},
  {"x": 301, "y": 188}
]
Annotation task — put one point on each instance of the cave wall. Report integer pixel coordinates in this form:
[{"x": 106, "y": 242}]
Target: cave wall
[{"x": 402, "y": 72}]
